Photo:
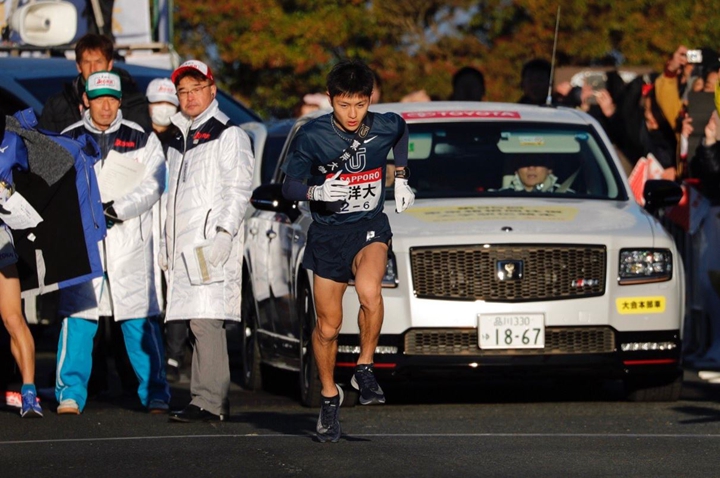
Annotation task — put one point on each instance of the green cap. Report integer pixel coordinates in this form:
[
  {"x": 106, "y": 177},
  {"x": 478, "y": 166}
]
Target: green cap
[{"x": 103, "y": 83}]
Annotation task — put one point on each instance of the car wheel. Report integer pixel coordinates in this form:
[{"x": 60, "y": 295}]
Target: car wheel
[
  {"x": 654, "y": 389},
  {"x": 310, "y": 386},
  {"x": 250, "y": 349}
]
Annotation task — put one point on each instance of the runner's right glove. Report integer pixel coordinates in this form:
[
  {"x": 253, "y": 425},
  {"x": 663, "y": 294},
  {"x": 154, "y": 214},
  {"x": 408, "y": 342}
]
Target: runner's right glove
[{"x": 333, "y": 189}]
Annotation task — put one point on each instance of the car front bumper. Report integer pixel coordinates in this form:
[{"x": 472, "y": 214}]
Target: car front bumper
[{"x": 394, "y": 358}]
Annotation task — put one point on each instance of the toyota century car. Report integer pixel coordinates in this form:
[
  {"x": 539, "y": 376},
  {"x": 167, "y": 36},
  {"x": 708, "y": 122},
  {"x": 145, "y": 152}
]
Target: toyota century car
[{"x": 484, "y": 277}]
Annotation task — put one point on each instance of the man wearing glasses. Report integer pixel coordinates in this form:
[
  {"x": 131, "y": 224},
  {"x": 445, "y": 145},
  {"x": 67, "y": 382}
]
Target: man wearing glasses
[{"x": 211, "y": 167}]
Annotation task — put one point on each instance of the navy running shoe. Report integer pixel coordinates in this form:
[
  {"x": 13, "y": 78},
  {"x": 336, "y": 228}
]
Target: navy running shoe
[
  {"x": 364, "y": 381},
  {"x": 328, "y": 424},
  {"x": 30, "y": 407}
]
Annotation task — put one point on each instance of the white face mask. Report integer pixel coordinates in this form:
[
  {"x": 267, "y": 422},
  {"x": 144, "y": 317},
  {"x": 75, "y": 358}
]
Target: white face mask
[{"x": 160, "y": 114}]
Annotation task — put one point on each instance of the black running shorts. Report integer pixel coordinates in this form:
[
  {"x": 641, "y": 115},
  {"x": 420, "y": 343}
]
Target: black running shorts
[{"x": 331, "y": 249}]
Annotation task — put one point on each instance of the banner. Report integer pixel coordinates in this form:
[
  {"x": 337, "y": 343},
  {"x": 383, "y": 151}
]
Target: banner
[{"x": 131, "y": 22}]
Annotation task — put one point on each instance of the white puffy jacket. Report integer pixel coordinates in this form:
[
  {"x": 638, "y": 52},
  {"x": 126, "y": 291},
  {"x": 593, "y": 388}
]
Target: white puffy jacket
[
  {"x": 210, "y": 182},
  {"x": 127, "y": 251}
]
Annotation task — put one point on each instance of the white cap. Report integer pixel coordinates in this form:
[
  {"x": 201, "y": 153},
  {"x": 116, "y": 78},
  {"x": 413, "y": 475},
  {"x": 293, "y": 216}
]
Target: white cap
[{"x": 162, "y": 89}]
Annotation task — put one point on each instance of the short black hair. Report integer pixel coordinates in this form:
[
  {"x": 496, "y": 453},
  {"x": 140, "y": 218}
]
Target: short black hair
[
  {"x": 536, "y": 64},
  {"x": 468, "y": 85},
  {"x": 94, "y": 42},
  {"x": 350, "y": 77}
]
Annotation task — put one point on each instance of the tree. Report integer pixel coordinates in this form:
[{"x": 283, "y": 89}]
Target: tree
[{"x": 271, "y": 52}]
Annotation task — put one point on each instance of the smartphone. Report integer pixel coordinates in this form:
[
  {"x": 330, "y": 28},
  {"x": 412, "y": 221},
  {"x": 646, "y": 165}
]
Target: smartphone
[{"x": 694, "y": 56}]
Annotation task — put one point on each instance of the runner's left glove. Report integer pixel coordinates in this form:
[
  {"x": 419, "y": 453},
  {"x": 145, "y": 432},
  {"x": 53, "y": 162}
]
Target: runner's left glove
[{"x": 404, "y": 196}]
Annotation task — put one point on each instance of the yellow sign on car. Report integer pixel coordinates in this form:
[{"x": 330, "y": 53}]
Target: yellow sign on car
[{"x": 640, "y": 305}]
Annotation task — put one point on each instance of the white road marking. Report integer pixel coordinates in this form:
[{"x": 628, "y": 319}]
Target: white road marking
[{"x": 375, "y": 435}]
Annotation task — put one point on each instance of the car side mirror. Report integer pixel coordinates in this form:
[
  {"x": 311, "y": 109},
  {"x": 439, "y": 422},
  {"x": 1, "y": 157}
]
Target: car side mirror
[
  {"x": 269, "y": 197},
  {"x": 660, "y": 193}
]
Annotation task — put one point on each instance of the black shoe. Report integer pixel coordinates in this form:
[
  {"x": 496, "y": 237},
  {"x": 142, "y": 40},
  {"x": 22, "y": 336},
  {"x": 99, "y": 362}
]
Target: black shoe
[
  {"x": 364, "y": 380},
  {"x": 193, "y": 413},
  {"x": 328, "y": 424}
]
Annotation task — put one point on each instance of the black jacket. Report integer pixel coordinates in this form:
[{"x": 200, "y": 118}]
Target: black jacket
[
  {"x": 705, "y": 165},
  {"x": 64, "y": 108}
]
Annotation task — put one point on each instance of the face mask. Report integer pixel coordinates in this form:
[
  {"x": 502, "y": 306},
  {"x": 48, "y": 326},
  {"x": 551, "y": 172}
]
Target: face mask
[{"x": 160, "y": 114}]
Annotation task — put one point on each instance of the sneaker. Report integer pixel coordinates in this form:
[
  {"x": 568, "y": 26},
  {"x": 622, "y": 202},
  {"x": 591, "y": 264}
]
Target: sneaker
[
  {"x": 30, "y": 405},
  {"x": 68, "y": 407},
  {"x": 158, "y": 407},
  {"x": 328, "y": 424},
  {"x": 364, "y": 380}
]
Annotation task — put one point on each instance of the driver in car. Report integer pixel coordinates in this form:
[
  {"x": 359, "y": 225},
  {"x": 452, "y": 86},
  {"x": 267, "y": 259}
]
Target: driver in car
[{"x": 533, "y": 173}]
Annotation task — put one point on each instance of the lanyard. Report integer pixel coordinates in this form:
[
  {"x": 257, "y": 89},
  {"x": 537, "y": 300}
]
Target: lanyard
[{"x": 349, "y": 152}]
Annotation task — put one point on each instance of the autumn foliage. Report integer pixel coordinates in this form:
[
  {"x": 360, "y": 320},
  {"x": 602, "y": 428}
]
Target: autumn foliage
[{"x": 269, "y": 53}]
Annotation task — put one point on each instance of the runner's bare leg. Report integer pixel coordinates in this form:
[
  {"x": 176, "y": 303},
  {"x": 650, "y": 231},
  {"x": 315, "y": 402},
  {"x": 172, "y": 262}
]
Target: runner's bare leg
[
  {"x": 328, "y": 305},
  {"x": 369, "y": 268}
]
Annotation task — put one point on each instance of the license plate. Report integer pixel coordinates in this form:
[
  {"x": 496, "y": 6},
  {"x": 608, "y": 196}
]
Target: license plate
[{"x": 511, "y": 331}]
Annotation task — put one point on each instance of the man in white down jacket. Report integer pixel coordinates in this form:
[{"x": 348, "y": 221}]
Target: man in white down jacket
[
  {"x": 211, "y": 167},
  {"x": 127, "y": 290}
]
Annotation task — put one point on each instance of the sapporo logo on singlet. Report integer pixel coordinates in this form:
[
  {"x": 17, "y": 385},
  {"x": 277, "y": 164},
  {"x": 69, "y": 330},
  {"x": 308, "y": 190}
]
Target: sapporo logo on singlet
[{"x": 365, "y": 190}]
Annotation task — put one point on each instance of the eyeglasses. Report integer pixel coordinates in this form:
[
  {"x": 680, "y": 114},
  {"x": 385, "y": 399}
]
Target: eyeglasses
[{"x": 194, "y": 91}]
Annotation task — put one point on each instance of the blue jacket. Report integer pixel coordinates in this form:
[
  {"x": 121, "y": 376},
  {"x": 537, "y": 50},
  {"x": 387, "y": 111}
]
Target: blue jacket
[{"x": 58, "y": 180}]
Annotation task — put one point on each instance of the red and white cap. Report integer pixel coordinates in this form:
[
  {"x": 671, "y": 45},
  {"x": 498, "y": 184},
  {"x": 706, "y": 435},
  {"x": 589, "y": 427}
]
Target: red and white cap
[{"x": 196, "y": 65}]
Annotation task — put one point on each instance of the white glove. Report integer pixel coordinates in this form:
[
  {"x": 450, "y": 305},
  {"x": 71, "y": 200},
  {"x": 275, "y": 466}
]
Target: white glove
[
  {"x": 220, "y": 249},
  {"x": 163, "y": 259},
  {"x": 404, "y": 196},
  {"x": 5, "y": 192},
  {"x": 332, "y": 190}
]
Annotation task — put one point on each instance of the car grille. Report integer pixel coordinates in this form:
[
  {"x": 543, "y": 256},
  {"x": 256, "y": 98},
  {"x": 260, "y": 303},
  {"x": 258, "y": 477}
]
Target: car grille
[
  {"x": 558, "y": 341},
  {"x": 550, "y": 272}
]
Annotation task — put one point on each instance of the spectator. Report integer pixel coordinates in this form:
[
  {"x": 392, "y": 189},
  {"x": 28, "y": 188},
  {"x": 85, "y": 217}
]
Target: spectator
[
  {"x": 468, "y": 85},
  {"x": 535, "y": 81},
  {"x": 126, "y": 291},
  {"x": 211, "y": 169},
  {"x": 313, "y": 102},
  {"x": 163, "y": 104},
  {"x": 92, "y": 53},
  {"x": 22, "y": 345},
  {"x": 416, "y": 96},
  {"x": 671, "y": 84}
]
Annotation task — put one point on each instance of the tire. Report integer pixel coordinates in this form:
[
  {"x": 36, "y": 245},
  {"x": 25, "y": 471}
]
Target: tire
[
  {"x": 654, "y": 389},
  {"x": 310, "y": 386},
  {"x": 251, "y": 378}
]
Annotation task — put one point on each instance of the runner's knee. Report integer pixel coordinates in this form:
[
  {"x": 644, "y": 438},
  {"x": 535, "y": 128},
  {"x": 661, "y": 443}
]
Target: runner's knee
[{"x": 327, "y": 332}]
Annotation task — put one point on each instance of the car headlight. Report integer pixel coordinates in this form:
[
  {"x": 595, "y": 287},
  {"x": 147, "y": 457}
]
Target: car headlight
[
  {"x": 638, "y": 266},
  {"x": 390, "y": 279}
]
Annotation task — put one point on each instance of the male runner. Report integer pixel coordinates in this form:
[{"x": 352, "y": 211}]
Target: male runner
[{"x": 337, "y": 162}]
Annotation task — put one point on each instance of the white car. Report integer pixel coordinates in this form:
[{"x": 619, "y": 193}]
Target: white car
[{"x": 574, "y": 277}]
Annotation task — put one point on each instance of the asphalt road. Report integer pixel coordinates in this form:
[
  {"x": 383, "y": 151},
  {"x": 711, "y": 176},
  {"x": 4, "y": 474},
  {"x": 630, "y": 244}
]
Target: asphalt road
[
  {"x": 434, "y": 429},
  {"x": 431, "y": 429}
]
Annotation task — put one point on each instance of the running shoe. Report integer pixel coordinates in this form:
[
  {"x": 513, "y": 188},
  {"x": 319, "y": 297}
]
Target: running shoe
[
  {"x": 364, "y": 380},
  {"x": 157, "y": 407},
  {"x": 328, "y": 424},
  {"x": 30, "y": 405},
  {"x": 68, "y": 407}
]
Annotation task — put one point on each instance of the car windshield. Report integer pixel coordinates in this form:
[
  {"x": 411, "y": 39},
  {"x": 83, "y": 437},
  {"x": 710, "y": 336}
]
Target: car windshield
[{"x": 472, "y": 159}]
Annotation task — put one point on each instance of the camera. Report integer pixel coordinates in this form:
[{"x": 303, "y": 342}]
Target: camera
[{"x": 694, "y": 56}]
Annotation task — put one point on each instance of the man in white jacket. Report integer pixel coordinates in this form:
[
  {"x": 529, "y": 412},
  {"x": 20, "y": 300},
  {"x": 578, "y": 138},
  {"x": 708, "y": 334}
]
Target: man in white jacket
[
  {"x": 127, "y": 290},
  {"x": 211, "y": 167}
]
